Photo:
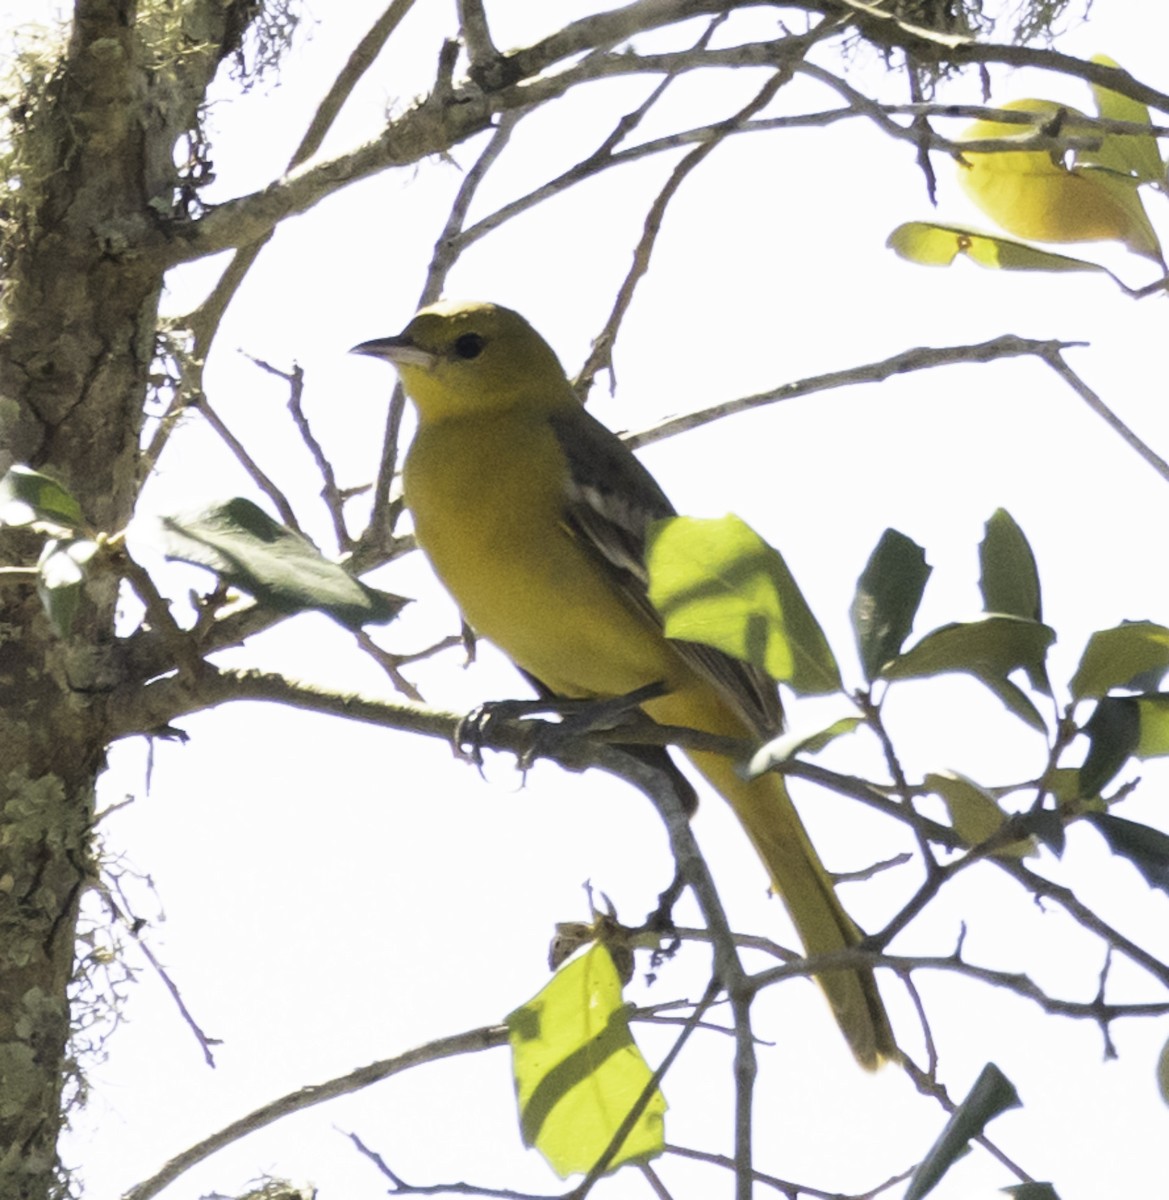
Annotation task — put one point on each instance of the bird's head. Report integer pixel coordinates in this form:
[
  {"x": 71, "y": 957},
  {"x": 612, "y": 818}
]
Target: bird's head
[{"x": 456, "y": 357}]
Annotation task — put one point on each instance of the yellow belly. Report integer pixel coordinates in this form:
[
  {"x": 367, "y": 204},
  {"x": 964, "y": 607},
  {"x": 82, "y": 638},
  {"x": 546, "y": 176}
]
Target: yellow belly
[{"x": 518, "y": 574}]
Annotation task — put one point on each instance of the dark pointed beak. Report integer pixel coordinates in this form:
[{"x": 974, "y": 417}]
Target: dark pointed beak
[{"x": 400, "y": 351}]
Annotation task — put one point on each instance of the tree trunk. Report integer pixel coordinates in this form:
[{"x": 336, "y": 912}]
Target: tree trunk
[{"x": 94, "y": 161}]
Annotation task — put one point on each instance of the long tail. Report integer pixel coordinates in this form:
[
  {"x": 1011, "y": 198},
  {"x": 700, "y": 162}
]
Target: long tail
[{"x": 767, "y": 814}]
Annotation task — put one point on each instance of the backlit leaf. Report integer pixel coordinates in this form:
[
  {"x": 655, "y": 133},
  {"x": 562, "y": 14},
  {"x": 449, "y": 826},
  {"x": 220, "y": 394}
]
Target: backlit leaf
[
  {"x": 578, "y": 1072},
  {"x": 934, "y": 245},
  {"x": 1032, "y": 194},
  {"x": 719, "y": 583},
  {"x": 1119, "y": 656}
]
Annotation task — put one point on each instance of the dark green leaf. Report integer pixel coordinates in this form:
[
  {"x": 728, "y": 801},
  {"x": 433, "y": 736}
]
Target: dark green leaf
[
  {"x": 1031, "y": 1191},
  {"x": 992, "y": 1094},
  {"x": 1146, "y": 848},
  {"x": 1009, "y": 578},
  {"x": 1113, "y": 732},
  {"x": 887, "y": 595},
  {"x": 1048, "y": 827},
  {"x": 719, "y": 583},
  {"x": 1016, "y": 700},
  {"x": 62, "y": 570},
  {"x": 248, "y": 549},
  {"x": 1119, "y": 657},
  {"x": 27, "y": 496}
]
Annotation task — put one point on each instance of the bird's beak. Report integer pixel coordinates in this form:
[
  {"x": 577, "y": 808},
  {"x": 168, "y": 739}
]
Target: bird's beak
[{"x": 400, "y": 351}]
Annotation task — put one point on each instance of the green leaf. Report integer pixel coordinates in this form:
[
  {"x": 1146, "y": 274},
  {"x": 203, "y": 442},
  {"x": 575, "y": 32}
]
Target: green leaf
[
  {"x": 1163, "y": 1072},
  {"x": 719, "y": 583},
  {"x": 1031, "y": 1191},
  {"x": 578, "y": 1072},
  {"x": 933, "y": 245},
  {"x": 988, "y": 648},
  {"x": 1118, "y": 657},
  {"x": 1154, "y": 713},
  {"x": 1113, "y": 732},
  {"x": 887, "y": 596},
  {"x": 992, "y": 1094},
  {"x": 62, "y": 568},
  {"x": 1016, "y": 700},
  {"x": 27, "y": 497},
  {"x": 788, "y": 745},
  {"x": 1129, "y": 154},
  {"x": 248, "y": 549},
  {"x": 974, "y": 812},
  {"x": 1146, "y": 848},
  {"x": 1009, "y": 579}
]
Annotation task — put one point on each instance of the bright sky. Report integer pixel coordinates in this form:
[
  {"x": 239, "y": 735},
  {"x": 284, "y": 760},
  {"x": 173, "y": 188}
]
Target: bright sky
[{"x": 328, "y": 895}]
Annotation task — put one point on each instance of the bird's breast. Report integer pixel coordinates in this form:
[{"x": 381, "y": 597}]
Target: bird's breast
[{"x": 487, "y": 497}]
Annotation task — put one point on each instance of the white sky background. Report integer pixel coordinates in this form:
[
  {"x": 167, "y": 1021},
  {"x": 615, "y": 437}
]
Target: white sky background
[{"x": 334, "y": 894}]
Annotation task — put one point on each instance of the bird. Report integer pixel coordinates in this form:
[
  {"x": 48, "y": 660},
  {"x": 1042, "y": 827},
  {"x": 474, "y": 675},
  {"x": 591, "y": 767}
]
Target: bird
[{"x": 534, "y": 516}]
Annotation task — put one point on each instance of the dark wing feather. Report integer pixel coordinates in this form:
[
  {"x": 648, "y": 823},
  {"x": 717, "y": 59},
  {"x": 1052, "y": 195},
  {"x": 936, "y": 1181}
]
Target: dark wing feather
[{"x": 610, "y": 503}]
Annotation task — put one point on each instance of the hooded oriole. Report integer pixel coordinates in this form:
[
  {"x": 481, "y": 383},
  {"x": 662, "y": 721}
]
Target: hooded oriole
[{"x": 534, "y": 516}]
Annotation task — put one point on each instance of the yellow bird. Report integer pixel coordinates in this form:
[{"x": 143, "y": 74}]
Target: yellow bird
[{"x": 534, "y": 517}]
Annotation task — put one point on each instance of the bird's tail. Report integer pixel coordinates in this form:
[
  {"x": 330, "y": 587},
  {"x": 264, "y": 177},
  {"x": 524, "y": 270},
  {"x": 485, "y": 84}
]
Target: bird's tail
[{"x": 767, "y": 814}]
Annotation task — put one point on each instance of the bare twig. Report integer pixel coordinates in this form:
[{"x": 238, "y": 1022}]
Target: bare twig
[
  {"x": 249, "y": 464},
  {"x": 332, "y": 495},
  {"x": 1055, "y": 360},
  {"x": 471, "y": 1042},
  {"x": 786, "y": 1187},
  {"x": 601, "y": 355},
  {"x": 919, "y": 359}
]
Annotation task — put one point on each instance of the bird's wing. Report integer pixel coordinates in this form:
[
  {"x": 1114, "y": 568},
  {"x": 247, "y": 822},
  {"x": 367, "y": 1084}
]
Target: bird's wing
[{"x": 610, "y": 502}]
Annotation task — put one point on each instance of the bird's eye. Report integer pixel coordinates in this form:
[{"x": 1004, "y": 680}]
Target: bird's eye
[{"x": 470, "y": 345}]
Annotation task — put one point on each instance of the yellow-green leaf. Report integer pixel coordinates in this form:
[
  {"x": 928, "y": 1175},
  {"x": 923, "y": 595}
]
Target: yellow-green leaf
[
  {"x": 1118, "y": 657},
  {"x": 578, "y": 1072},
  {"x": 974, "y": 812},
  {"x": 1032, "y": 194},
  {"x": 1154, "y": 737},
  {"x": 719, "y": 583},
  {"x": 1127, "y": 153},
  {"x": 933, "y": 245}
]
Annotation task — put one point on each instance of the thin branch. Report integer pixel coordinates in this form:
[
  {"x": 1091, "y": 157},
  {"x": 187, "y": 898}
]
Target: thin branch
[
  {"x": 601, "y": 355},
  {"x": 1056, "y": 361},
  {"x": 728, "y": 969},
  {"x": 249, "y": 464},
  {"x": 476, "y": 36},
  {"x": 792, "y": 1190},
  {"x": 471, "y": 1042},
  {"x": 332, "y": 495},
  {"x": 919, "y": 359},
  {"x": 204, "y": 322}
]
